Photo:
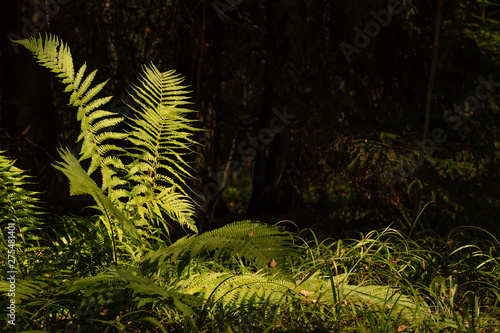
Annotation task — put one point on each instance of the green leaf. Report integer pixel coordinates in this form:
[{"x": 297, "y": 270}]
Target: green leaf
[{"x": 81, "y": 183}]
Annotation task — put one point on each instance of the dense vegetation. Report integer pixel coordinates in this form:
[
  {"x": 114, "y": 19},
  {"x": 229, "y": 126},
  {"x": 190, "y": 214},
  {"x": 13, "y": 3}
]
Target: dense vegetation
[
  {"x": 118, "y": 269},
  {"x": 355, "y": 144}
]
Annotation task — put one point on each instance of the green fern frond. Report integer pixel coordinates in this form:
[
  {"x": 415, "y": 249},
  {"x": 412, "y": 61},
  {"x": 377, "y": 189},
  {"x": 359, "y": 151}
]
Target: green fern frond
[
  {"x": 56, "y": 56},
  {"x": 145, "y": 290},
  {"x": 258, "y": 243},
  {"x": 81, "y": 183},
  {"x": 318, "y": 288},
  {"x": 53, "y": 55},
  {"x": 25, "y": 289},
  {"x": 162, "y": 131},
  {"x": 243, "y": 290},
  {"x": 233, "y": 291},
  {"x": 19, "y": 210},
  {"x": 161, "y": 135}
]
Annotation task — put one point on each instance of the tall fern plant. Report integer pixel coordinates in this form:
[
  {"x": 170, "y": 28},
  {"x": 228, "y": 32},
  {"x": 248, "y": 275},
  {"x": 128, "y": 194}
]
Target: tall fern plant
[{"x": 142, "y": 167}]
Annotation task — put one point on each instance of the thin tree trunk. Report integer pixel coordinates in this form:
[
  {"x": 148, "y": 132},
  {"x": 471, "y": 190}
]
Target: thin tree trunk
[
  {"x": 428, "y": 102},
  {"x": 432, "y": 74},
  {"x": 28, "y": 126},
  {"x": 110, "y": 35},
  {"x": 261, "y": 172},
  {"x": 206, "y": 78}
]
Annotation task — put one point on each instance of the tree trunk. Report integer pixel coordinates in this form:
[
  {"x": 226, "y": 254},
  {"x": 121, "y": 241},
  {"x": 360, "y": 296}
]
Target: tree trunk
[
  {"x": 27, "y": 117},
  {"x": 272, "y": 191},
  {"x": 205, "y": 67}
]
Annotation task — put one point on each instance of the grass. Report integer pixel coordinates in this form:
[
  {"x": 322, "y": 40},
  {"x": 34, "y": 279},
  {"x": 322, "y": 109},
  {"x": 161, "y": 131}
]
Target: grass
[
  {"x": 453, "y": 282},
  {"x": 436, "y": 285}
]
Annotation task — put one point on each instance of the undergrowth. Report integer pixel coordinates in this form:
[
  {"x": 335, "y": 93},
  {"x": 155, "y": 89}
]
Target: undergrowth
[
  {"x": 379, "y": 282},
  {"x": 118, "y": 271}
]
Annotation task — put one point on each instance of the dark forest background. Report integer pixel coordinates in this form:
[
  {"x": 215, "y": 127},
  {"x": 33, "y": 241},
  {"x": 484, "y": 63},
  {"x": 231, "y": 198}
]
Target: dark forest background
[{"x": 293, "y": 129}]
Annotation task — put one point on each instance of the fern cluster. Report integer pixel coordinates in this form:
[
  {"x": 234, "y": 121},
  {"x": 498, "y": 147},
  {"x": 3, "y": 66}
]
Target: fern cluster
[
  {"x": 142, "y": 166},
  {"x": 214, "y": 277}
]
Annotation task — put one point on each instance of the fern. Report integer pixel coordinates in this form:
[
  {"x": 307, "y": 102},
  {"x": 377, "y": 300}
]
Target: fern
[
  {"x": 19, "y": 210},
  {"x": 318, "y": 289},
  {"x": 20, "y": 217},
  {"x": 232, "y": 291},
  {"x": 161, "y": 135},
  {"x": 81, "y": 183},
  {"x": 109, "y": 286},
  {"x": 145, "y": 182},
  {"x": 251, "y": 289},
  {"x": 263, "y": 246},
  {"x": 258, "y": 243},
  {"x": 25, "y": 289},
  {"x": 56, "y": 56}
]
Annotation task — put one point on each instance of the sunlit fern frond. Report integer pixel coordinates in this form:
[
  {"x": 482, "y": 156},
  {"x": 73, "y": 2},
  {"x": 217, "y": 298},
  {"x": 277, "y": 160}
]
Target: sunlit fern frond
[
  {"x": 152, "y": 202},
  {"x": 81, "y": 183},
  {"x": 95, "y": 133},
  {"x": 161, "y": 130},
  {"x": 318, "y": 289},
  {"x": 161, "y": 136},
  {"x": 234, "y": 291},
  {"x": 259, "y": 244},
  {"x": 25, "y": 289},
  {"x": 19, "y": 211}
]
